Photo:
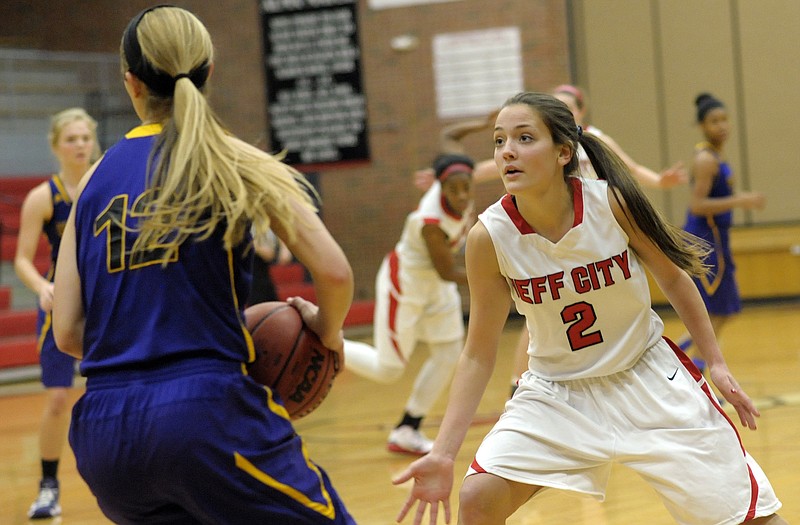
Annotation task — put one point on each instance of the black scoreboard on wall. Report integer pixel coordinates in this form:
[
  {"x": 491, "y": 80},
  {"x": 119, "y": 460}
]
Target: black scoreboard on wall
[{"x": 315, "y": 98}]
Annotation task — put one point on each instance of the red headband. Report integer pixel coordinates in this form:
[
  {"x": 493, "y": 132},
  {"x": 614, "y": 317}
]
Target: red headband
[
  {"x": 452, "y": 168},
  {"x": 570, "y": 90}
]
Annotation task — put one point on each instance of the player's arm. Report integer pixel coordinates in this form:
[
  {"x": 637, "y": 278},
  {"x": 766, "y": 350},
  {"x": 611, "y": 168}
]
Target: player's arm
[
  {"x": 451, "y": 135},
  {"x": 672, "y": 176},
  {"x": 37, "y": 208},
  {"x": 485, "y": 171},
  {"x": 704, "y": 169},
  {"x": 645, "y": 176},
  {"x": 682, "y": 294},
  {"x": 450, "y": 142},
  {"x": 330, "y": 271},
  {"x": 438, "y": 246},
  {"x": 69, "y": 314},
  {"x": 68, "y": 310}
]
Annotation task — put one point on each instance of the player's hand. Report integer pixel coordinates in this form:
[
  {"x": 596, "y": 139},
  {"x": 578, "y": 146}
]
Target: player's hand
[
  {"x": 733, "y": 394},
  {"x": 46, "y": 297},
  {"x": 754, "y": 200},
  {"x": 433, "y": 482},
  {"x": 310, "y": 314},
  {"x": 423, "y": 179},
  {"x": 673, "y": 176}
]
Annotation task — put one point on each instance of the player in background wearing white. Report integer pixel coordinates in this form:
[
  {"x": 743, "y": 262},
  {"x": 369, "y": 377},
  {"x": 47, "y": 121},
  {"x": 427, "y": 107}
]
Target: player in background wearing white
[
  {"x": 417, "y": 300},
  {"x": 603, "y": 386}
]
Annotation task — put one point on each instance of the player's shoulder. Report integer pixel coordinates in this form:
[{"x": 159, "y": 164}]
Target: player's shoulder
[
  {"x": 39, "y": 195},
  {"x": 705, "y": 160}
]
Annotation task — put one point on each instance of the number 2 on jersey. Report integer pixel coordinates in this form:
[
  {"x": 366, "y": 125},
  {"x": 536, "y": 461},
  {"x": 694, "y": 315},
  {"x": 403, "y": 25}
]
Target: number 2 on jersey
[{"x": 580, "y": 317}]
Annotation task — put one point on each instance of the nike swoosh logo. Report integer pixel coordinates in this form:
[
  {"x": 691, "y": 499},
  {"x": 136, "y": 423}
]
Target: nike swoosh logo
[{"x": 673, "y": 375}]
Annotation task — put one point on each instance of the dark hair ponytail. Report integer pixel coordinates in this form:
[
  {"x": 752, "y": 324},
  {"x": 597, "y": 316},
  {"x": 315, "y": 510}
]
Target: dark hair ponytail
[{"x": 684, "y": 249}]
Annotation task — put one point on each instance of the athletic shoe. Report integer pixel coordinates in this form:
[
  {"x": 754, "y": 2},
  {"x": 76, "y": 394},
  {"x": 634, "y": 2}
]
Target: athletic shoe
[
  {"x": 406, "y": 440},
  {"x": 46, "y": 504}
]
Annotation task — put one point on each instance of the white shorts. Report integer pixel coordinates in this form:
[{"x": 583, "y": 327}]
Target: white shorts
[
  {"x": 413, "y": 306},
  {"x": 659, "y": 418}
]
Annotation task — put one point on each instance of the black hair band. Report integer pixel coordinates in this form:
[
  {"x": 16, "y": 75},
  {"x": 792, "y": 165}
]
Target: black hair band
[{"x": 159, "y": 82}]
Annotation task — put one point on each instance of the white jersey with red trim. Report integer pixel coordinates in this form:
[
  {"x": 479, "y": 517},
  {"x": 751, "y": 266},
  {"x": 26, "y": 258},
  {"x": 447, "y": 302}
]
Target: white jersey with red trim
[
  {"x": 432, "y": 209},
  {"x": 585, "y": 298}
]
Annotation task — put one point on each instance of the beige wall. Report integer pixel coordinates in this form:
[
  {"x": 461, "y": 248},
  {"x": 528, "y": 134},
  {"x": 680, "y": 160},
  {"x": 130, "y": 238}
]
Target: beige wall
[{"x": 643, "y": 63}]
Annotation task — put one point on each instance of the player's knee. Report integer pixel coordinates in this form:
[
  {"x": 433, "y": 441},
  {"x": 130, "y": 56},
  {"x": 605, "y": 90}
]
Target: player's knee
[
  {"x": 58, "y": 401},
  {"x": 476, "y": 505}
]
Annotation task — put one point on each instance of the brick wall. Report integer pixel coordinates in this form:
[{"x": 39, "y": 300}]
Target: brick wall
[{"x": 365, "y": 205}]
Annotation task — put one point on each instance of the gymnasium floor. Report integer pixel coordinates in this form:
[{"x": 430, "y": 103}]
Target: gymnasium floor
[{"x": 347, "y": 434}]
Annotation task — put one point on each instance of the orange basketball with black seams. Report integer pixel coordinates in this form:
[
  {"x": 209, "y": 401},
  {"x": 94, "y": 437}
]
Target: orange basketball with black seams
[{"x": 290, "y": 358}]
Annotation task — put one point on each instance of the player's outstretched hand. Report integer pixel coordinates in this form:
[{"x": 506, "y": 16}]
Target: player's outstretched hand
[
  {"x": 673, "y": 176},
  {"x": 733, "y": 394},
  {"x": 433, "y": 482}
]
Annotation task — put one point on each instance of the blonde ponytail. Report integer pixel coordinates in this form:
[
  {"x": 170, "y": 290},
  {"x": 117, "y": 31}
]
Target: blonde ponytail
[{"x": 203, "y": 178}]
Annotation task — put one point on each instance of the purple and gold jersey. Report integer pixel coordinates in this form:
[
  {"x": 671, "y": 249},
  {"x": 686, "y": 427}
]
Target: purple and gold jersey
[
  {"x": 718, "y": 287},
  {"x": 54, "y": 228},
  {"x": 58, "y": 369},
  {"x": 140, "y": 311}
]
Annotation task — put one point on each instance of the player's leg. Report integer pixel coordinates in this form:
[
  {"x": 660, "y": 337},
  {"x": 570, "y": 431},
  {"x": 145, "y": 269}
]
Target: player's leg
[
  {"x": 488, "y": 499},
  {"x": 364, "y": 360},
  {"x": 58, "y": 370},
  {"x": 434, "y": 376},
  {"x": 387, "y": 360},
  {"x": 441, "y": 325},
  {"x": 54, "y": 425},
  {"x": 432, "y": 380}
]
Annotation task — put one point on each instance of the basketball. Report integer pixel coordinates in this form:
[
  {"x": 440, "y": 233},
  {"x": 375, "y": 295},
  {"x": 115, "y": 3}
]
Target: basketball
[{"x": 290, "y": 358}]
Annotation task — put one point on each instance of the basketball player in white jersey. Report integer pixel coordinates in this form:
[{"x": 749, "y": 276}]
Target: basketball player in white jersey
[
  {"x": 417, "y": 300},
  {"x": 603, "y": 385}
]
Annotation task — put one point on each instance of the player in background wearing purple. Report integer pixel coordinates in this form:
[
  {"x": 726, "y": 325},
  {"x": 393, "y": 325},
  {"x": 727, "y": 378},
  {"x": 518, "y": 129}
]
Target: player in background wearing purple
[
  {"x": 73, "y": 140},
  {"x": 153, "y": 275},
  {"x": 603, "y": 385},
  {"x": 417, "y": 300},
  {"x": 713, "y": 199}
]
